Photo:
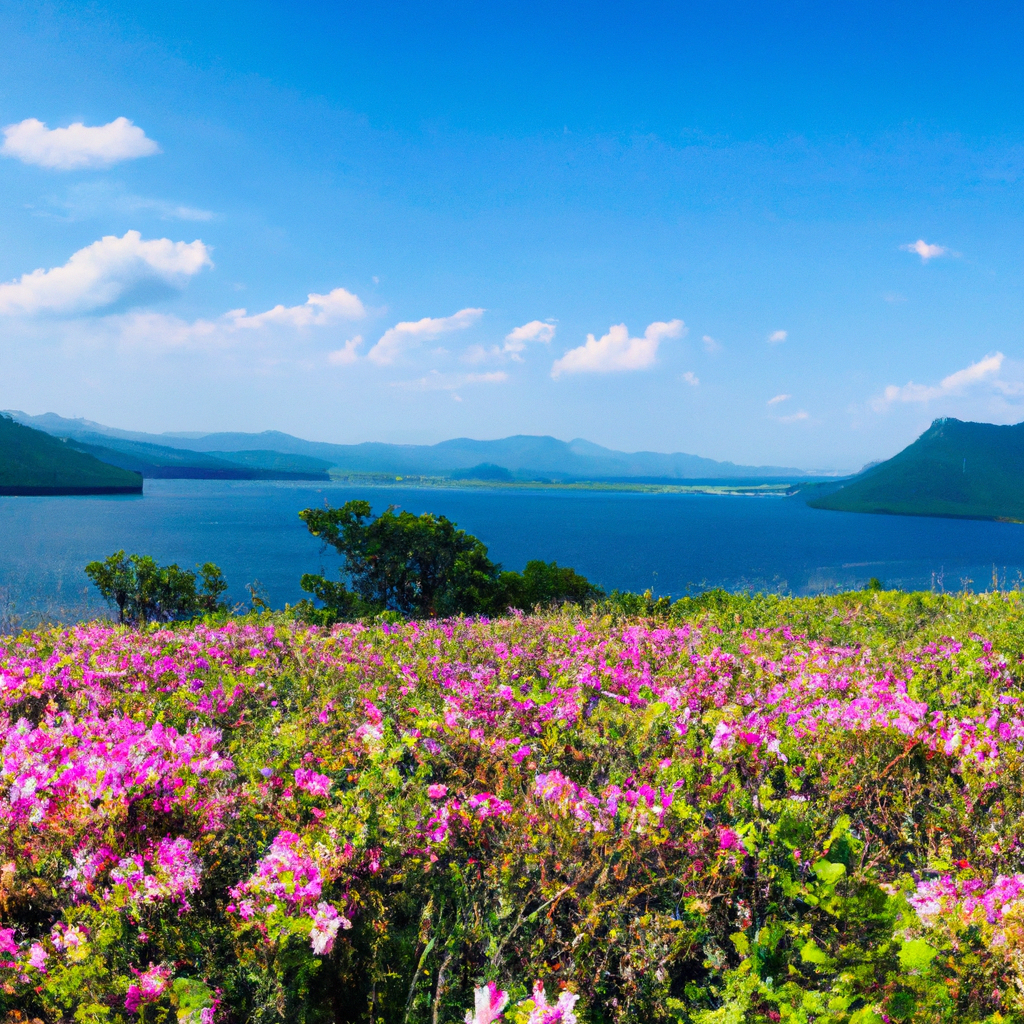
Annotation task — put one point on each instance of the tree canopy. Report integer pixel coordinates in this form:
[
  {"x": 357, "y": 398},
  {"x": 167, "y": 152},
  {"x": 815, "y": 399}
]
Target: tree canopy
[
  {"x": 143, "y": 591},
  {"x": 424, "y": 567}
]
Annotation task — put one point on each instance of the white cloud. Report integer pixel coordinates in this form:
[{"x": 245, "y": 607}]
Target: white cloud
[
  {"x": 347, "y": 354},
  {"x": 779, "y": 398},
  {"x": 437, "y": 381},
  {"x": 984, "y": 370},
  {"x": 710, "y": 345},
  {"x": 925, "y": 251},
  {"x": 795, "y": 417},
  {"x": 410, "y": 333},
  {"x": 65, "y": 149},
  {"x": 616, "y": 350},
  {"x": 777, "y": 336},
  {"x": 691, "y": 378},
  {"x": 316, "y": 311},
  {"x": 102, "y": 272},
  {"x": 535, "y": 330}
]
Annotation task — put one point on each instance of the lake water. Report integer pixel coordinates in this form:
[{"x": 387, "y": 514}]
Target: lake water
[{"x": 673, "y": 544}]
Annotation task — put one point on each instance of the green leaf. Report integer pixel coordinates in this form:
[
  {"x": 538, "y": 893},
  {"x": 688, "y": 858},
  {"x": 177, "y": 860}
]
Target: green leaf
[
  {"x": 741, "y": 942},
  {"x": 812, "y": 953},
  {"x": 828, "y": 872},
  {"x": 917, "y": 955}
]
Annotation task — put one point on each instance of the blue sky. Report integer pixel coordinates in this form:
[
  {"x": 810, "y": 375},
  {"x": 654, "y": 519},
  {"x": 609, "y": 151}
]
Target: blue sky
[{"x": 662, "y": 227}]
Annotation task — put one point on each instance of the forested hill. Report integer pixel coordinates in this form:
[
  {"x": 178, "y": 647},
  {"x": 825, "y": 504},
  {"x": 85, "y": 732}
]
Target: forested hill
[
  {"x": 963, "y": 470},
  {"x": 33, "y": 462}
]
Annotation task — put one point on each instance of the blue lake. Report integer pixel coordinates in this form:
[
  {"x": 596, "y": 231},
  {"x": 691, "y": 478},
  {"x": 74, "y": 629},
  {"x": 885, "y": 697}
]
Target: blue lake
[{"x": 673, "y": 544}]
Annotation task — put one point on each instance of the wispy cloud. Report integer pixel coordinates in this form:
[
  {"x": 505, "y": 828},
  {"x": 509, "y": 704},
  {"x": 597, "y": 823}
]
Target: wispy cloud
[
  {"x": 795, "y": 417},
  {"x": 77, "y": 146},
  {"x": 617, "y": 351},
  {"x": 316, "y": 311},
  {"x": 984, "y": 370},
  {"x": 691, "y": 378},
  {"x": 437, "y": 381},
  {"x": 710, "y": 345},
  {"x": 777, "y": 337},
  {"x": 101, "y": 273},
  {"x": 779, "y": 398},
  {"x": 411, "y": 333},
  {"x": 925, "y": 250}
]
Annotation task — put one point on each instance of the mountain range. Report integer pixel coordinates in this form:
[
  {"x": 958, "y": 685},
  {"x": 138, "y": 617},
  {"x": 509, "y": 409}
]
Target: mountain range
[{"x": 524, "y": 457}]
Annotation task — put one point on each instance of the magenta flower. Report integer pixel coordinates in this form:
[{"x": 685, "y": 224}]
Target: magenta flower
[{"x": 489, "y": 1002}]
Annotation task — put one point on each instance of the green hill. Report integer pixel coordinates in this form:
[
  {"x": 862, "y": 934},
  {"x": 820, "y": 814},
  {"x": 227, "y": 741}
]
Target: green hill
[
  {"x": 32, "y": 462},
  {"x": 956, "y": 469}
]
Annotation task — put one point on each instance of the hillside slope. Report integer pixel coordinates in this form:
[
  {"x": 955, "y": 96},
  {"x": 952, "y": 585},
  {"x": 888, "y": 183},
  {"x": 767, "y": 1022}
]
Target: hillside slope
[
  {"x": 165, "y": 462},
  {"x": 955, "y": 469},
  {"x": 34, "y": 463},
  {"x": 526, "y": 457}
]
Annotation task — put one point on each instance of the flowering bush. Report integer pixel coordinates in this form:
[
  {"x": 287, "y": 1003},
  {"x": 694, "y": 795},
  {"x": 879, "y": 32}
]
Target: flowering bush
[{"x": 734, "y": 809}]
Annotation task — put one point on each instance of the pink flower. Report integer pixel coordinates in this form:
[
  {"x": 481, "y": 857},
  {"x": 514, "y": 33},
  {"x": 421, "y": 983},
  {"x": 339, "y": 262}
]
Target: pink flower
[
  {"x": 437, "y": 792},
  {"x": 38, "y": 956},
  {"x": 489, "y": 1002},
  {"x": 326, "y": 923},
  {"x": 728, "y": 839},
  {"x": 543, "y": 1013},
  {"x": 7, "y": 943},
  {"x": 311, "y": 782}
]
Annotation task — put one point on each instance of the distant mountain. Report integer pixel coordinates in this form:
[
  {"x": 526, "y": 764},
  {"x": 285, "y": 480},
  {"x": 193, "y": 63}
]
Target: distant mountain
[
  {"x": 956, "y": 469},
  {"x": 165, "y": 462},
  {"x": 32, "y": 463},
  {"x": 526, "y": 457}
]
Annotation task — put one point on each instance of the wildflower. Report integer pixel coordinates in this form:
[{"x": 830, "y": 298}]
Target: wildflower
[
  {"x": 326, "y": 923},
  {"x": 544, "y": 1013},
  {"x": 489, "y": 1001}
]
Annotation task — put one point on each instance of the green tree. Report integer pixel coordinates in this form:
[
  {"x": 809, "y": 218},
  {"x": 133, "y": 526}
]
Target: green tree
[
  {"x": 422, "y": 566},
  {"x": 143, "y": 591}
]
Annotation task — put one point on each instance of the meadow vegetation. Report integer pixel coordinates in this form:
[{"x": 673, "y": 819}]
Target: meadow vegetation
[{"x": 728, "y": 808}]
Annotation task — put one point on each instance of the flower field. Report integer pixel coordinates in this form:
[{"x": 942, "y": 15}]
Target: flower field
[{"x": 740, "y": 809}]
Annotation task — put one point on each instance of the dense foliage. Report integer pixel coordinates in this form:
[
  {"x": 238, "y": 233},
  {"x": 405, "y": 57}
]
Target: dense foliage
[
  {"x": 729, "y": 809},
  {"x": 143, "y": 591},
  {"x": 423, "y": 566}
]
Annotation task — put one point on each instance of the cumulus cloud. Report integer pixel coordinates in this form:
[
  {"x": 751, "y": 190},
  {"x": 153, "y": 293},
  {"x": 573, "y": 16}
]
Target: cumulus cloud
[
  {"x": 984, "y": 370},
  {"x": 925, "y": 251},
  {"x": 102, "y": 272},
  {"x": 691, "y": 378},
  {"x": 535, "y": 330},
  {"x": 77, "y": 146},
  {"x": 617, "y": 351},
  {"x": 777, "y": 336},
  {"x": 347, "y": 354},
  {"x": 779, "y": 398},
  {"x": 411, "y": 333},
  {"x": 316, "y": 311}
]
